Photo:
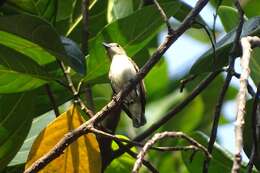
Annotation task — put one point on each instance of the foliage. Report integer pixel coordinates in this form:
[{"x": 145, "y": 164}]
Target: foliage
[{"x": 35, "y": 35}]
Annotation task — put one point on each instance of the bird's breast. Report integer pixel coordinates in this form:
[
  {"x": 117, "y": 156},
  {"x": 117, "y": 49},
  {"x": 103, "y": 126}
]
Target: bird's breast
[{"x": 121, "y": 71}]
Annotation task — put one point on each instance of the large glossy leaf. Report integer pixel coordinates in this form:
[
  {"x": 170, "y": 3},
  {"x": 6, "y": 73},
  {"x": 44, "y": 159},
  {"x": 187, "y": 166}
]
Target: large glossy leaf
[
  {"x": 37, "y": 39},
  {"x": 83, "y": 155},
  {"x": 222, "y": 160},
  {"x": 154, "y": 88},
  {"x": 251, "y": 8},
  {"x": 130, "y": 33},
  {"x": 248, "y": 133},
  {"x": 19, "y": 73},
  {"x": 16, "y": 114},
  {"x": 97, "y": 20},
  {"x": 118, "y": 9},
  {"x": 205, "y": 62},
  {"x": 194, "y": 111},
  {"x": 229, "y": 17},
  {"x": 43, "y": 8}
]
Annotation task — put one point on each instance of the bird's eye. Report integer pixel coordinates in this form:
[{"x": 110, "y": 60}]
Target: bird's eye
[{"x": 117, "y": 45}]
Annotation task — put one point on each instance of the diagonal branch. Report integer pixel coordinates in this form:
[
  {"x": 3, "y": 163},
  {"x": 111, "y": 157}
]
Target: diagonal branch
[{"x": 83, "y": 129}]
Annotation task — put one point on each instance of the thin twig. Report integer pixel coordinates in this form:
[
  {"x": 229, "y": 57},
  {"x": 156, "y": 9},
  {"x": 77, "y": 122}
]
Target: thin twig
[
  {"x": 117, "y": 100},
  {"x": 254, "y": 121},
  {"x": 160, "y": 136},
  {"x": 183, "y": 82},
  {"x": 137, "y": 144},
  {"x": 164, "y": 16},
  {"x": 52, "y": 100},
  {"x": 84, "y": 48},
  {"x": 220, "y": 101},
  {"x": 74, "y": 91},
  {"x": 246, "y": 43}
]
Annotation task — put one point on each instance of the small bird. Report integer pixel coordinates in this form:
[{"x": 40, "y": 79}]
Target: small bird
[{"x": 122, "y": 70}]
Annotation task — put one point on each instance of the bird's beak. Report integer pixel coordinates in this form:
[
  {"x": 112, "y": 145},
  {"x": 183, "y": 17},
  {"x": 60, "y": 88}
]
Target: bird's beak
[{"x": 106, "y": 45}]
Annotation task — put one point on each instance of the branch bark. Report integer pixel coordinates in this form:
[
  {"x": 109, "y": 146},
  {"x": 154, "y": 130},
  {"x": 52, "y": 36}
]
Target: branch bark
[{"x": 247, "y": 43}]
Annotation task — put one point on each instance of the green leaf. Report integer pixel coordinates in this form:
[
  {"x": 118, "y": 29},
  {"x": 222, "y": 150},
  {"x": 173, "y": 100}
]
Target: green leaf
[
  {"x": 130, "y": 33},
  {"x": 247, "y": 133},
  {"x": 255, "y": 65},
  {"x": 229, "y": 17},
  {"x": 196, "y": 109},
  {"x": 15, "y": 121},
  {"x": 155, "y": 89},
  {"x": 251, "y": 8},
  {"x": 19, "y": 73},
  {"x": 97, "y": 18},
  {"x": 35, "y": 38},
  {"x": 75, "y": 53},
  {"x": 38, "y": 125},
  {"x": 222, "y": 160},
  {"x": 122, "y": 164},
  {"x": 205, "y": 62},
  {"x": 118, "y": 9},
  {"x": 43, "y": 8}
]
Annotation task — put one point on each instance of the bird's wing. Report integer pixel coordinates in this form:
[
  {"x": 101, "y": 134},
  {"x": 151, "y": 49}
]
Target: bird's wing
[{"x": 142, "y": 87}]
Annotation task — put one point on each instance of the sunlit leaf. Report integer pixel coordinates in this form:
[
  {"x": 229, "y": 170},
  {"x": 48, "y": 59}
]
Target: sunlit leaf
[
  {"x": 36, "y": 39},
  {"x": 19, "y": 73},
  {"x": 83, "y": 155},
  {"x": 229, "y": 17},
  {"x": 118, "y": 9},
  {"x": 251, "y": 8}
]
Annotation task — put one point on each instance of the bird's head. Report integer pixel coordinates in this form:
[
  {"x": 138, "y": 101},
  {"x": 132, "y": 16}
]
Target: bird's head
[{"x": 114, "y": 49}]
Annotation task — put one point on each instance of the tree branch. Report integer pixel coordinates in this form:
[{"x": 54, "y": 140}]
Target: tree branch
[
  {"x": 160, "y": 136},
  {"x": 246, "y": 43},
  {"x": 52, "y": 100},
  {"x": 164, "y": 16},
  {"x": 74, "y": 91},
  {"x": 117, "y": 100},
  {"x": 84, "y": 48}
]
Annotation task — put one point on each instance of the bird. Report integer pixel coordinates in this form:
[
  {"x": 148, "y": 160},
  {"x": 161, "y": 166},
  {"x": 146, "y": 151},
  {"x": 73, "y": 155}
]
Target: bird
[{"x": 122, "y": 70}]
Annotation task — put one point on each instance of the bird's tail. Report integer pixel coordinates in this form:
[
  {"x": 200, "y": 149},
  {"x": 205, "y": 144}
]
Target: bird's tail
[{"x": 138, "y": 118}]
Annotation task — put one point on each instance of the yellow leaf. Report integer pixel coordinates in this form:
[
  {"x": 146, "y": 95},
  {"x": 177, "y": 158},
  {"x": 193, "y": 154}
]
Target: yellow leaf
[{"x": 82, "y": 155}]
